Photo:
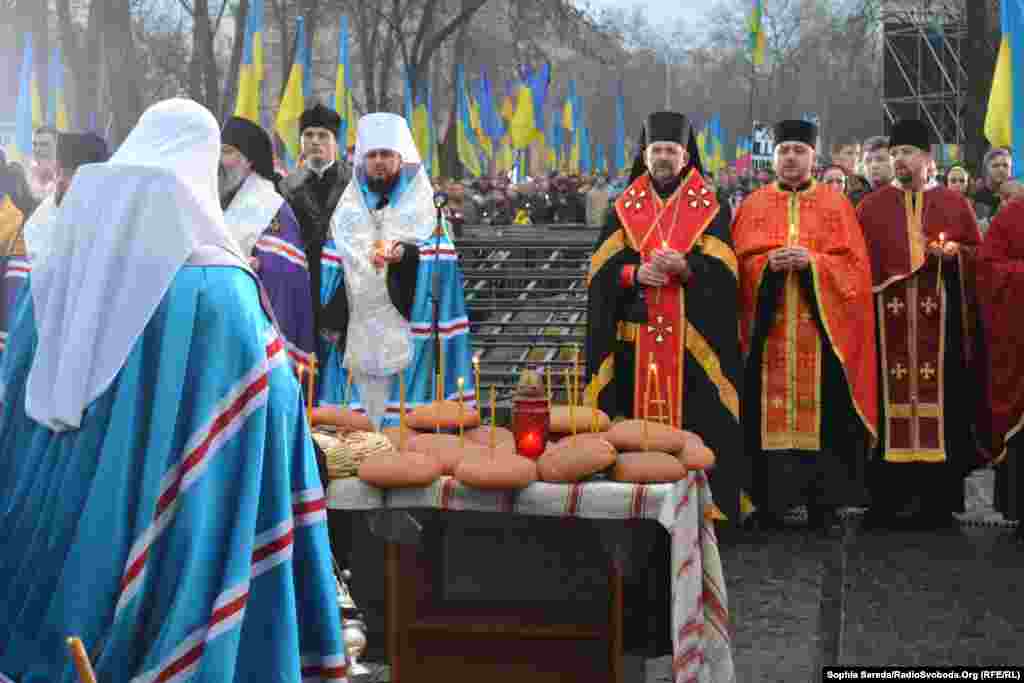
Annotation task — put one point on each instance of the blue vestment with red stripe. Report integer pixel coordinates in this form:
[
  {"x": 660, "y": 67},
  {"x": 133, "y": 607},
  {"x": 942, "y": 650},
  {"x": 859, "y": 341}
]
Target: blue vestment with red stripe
[
  {"x": 436, "y": 253},
  {"x": 181, "y": 531}
]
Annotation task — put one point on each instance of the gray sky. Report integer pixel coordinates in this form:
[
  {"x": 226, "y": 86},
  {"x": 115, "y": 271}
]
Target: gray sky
[{"x": 662, "y": 10}]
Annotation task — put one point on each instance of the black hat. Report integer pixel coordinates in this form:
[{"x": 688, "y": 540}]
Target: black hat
[
  {"x": 664, "y": 126},
  {"x": 796, "y": 130},
  {"x": 75, "y": 149},
  {"x": 667, "y": 126},
  {"x": 320, "y": 117},
  {"x": 911, "y": 132},
  {"x": 252, "y": 141}
]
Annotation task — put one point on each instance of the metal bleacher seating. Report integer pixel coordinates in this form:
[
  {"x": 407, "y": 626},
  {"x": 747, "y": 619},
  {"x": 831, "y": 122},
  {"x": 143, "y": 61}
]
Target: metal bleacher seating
[{"x": 527, "y": 299}]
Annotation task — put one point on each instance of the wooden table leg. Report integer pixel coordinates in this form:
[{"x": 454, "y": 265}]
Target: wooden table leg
[
  {"x": 393, "y": 601},
  {"x": 615, "y": 644}
]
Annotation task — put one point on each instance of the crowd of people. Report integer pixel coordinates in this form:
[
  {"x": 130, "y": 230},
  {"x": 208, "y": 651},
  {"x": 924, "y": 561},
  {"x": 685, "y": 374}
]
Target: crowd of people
[{"x": 840, "y": 332}]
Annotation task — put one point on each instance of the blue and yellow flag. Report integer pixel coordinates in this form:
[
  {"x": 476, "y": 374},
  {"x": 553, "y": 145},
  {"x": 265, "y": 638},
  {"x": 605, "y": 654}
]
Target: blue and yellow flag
[
  {"x": 419, "y": 111},
  {"x": 29, "y": 112},
  {"x": 1004, "y": 122},
  {"x": 465, "y": 136},
  {"x": 293, "y": 103},
  {"x": 57, "y": 107},
  {"x": 586, "y": 165},
  {"x": 250, "y": 74},
  {"x": 619, "y": 153},
  {"x": 342, "y": 89},
  {"x": 521, "y": 127},
  {"x": 757, "y": 37}
]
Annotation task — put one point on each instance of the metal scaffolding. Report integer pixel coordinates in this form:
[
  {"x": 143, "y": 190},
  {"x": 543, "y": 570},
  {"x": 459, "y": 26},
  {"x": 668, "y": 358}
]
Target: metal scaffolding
[{"x": 924, "y": 75}]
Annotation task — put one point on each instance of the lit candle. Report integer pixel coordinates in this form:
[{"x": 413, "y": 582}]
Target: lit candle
[
  {"x": 644, "y": 410},
  {"x": 462, "y": 436},
  {"x": 671, "y": 403},
  {"x": 576, "y": 374},
  {"x": 437, "y": 406},
  {"x": 657, "y": 393},
  {"x": 81, "y": 660},
  {"x": 401, "y": 411},
  {"x": 568, "y": 390},
  {"x": 348, "y": 389},
  {"x": 494, "y": 412},
  {"x": 593, "y": 410},
  {"x": 312, "y": 382},
  {"x": 476, "y": 381},
  {"x": 942, "y": 257}
]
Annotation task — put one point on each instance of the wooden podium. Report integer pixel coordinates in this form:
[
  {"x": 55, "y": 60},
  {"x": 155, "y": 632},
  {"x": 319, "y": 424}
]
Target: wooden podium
[{"x": 431, "y": 640}]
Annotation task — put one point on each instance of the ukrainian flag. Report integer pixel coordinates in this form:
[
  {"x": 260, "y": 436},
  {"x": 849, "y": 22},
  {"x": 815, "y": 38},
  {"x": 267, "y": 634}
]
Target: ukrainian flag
[
  {"x": 465, "y": 136},
  {"x": 342, "y": 94},
  {"x": 585, "y": 162},
  {"x": 1004, "y": 122},
  {"x": 619, "y": 152},
  {"x": 29, "y": 112},
  {"x": 419, "y": 112},
  {"x": 521, "y": 127},
  {"x": 294, "y": 101},
  {"x": 57, "y": 108},
  {"x": 250, "y": 75},
  {"x": 757, "y": 37}
]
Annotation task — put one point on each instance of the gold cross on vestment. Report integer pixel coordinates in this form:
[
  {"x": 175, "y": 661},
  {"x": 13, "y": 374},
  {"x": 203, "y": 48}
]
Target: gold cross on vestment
[
  {"x": 928, "y": 305},
  {"x": 927, "y": 372},
  {"x": 896, "y": 306},
  {"x": 899, "y": 372},
  {"x": 660, "y": 329},
  {"x": 777, "y": 402}
]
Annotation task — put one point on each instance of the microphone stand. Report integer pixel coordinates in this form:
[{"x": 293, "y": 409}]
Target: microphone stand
[{"x": 440, "y": 201}]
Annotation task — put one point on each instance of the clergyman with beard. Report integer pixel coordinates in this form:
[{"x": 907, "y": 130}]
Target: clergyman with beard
[
  {"x": 807, "y": 325},
  {"x": 662, "y": 290},
  {"x": 267, "y": 231},
  {"x": 923, "y": 243}
]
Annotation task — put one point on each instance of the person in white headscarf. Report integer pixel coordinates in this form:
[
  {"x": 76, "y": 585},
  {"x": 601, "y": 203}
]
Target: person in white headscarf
[
  {"x": 157, "y": 476},
  {"x": 386, "y": 243}
]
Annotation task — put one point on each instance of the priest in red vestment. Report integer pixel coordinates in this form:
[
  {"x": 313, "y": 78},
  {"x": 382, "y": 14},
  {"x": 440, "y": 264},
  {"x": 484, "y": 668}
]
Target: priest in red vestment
[
  {"x": 808, "y": 331},
  {"x": 662, "y": 305},
  {"x": 1000, "y": 280},
  {"x": 923, "y": 244}
]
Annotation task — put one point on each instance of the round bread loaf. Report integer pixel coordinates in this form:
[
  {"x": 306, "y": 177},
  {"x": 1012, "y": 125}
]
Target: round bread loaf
[
  {"x": 698, "y": 457},
  {"x": 502, "y": 470},
  {"x": 444, "y": 447},
  {"x": 482, "y": 435},
  {"x": 628, "y": 435},
  {"x": 445, "y": 413},
  {"x": 343, "y": 419},
  {"x": 648, "y": 468},
  {"x": 405, "y": 470},
  {"x": 575, "y": 459},
  {"x": 562, "y": 420},
  {"x": 393, "y": 434}
]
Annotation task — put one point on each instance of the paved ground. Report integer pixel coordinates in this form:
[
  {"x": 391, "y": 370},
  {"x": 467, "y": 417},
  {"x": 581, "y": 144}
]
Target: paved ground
[{"x": 799, "y": 601}]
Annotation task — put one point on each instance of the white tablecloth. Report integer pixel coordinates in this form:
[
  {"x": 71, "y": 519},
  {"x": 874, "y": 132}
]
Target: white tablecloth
[{"x": 700, "y": 618}]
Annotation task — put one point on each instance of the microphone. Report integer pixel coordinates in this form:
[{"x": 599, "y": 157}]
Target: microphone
[{"x": 440, "y": 200}]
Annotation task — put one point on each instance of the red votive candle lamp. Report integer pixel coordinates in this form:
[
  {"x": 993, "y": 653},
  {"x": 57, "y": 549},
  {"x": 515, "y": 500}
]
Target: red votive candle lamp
[{"x": 531, "y": 416}]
